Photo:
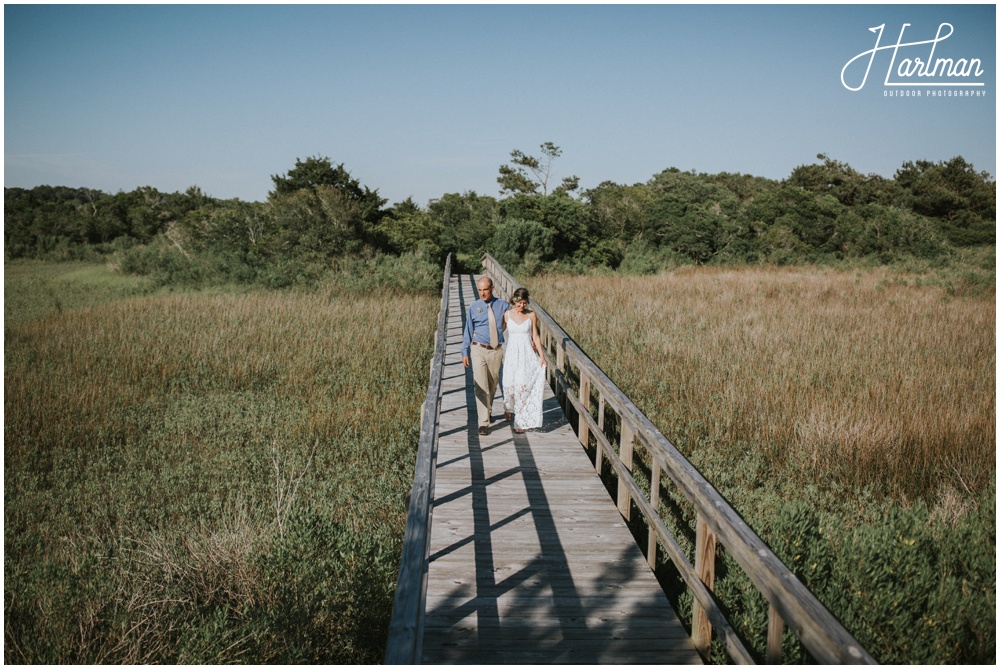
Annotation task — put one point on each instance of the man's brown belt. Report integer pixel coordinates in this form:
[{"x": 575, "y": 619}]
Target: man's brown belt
[{"x": 486, "y": 346}]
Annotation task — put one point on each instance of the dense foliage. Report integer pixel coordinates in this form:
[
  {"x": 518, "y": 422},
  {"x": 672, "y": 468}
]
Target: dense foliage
[{"x": 318, "y": 213}]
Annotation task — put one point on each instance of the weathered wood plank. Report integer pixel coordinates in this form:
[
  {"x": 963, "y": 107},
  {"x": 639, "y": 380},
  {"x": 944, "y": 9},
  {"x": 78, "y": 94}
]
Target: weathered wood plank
[
  {"x": 405, "y": 627},
  {"x": 818, "y": 630},
  {"x": 529, "y": 560},
  {"x": 560, "y": 653},
  {"x": 775, "y": 629},
  {"x": 704, "y": 566}
]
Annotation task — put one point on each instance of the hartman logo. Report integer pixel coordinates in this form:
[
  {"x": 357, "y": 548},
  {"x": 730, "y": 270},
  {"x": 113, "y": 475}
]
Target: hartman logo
[{"x": 915, "y": 64}]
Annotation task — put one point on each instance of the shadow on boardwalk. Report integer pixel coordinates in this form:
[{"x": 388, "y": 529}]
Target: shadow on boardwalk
[{"x": 530, "y": 561}]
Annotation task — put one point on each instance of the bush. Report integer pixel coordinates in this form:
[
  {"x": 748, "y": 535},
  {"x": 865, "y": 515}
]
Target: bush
[
  {"x": 408, "y": 274},
  {"x": 641, "y": 257},
  {"x": 167, "y": 265},
  {"x": 911, "y": 587},
  {"x": 888, "y": 233},
  {"x": 519, "y": 243}
]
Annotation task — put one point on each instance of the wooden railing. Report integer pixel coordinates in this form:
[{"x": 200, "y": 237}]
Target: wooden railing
[
  {"x": 716, "y": 524},
  {"x": 406, "y": 626}
]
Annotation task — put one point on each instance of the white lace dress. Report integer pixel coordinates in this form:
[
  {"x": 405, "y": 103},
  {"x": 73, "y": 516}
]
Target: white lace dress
[{"x": 523, "y": 376}]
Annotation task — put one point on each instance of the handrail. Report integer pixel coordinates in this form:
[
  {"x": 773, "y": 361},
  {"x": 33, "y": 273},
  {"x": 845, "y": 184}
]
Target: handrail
[
  {"x": 407, "y": 624},
  {"x": 791, "y": 603}
]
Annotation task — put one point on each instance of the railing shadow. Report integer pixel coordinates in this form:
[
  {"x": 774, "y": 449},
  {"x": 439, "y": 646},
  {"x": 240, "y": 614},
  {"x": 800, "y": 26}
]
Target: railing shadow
[{"x": 532, "y": 610}]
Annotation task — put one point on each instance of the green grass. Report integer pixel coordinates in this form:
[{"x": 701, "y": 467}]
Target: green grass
[
  {"x": 198, "y": 477},
  {"x": 33, "y": 288}
]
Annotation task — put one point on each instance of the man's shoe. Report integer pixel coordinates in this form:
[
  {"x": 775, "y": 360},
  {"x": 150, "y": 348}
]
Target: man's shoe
[
  {"x": 484, "y": 431},
  {"x": 508, "y": 415}
]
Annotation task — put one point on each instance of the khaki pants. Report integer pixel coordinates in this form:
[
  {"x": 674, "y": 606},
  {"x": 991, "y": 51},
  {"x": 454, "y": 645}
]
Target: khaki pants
[{"x": 486, "y": 375}]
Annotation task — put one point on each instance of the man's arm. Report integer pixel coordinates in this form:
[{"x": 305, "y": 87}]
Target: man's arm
[{"x": 467, "y": 336}]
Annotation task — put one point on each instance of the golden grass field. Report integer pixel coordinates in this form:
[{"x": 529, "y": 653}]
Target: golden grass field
[
  {"x": 202, "y": 477},
  {"x": 219, "y": 476},
  {"x": 871, "y": 377}
]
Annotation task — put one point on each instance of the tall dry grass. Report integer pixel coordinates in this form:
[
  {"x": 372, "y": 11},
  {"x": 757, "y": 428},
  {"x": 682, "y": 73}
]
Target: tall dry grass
[
  {"x": 208, "y": 478},
  {"x": 868, "y": 378}
]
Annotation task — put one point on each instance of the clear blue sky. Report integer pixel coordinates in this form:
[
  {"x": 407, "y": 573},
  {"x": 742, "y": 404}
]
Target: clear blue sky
[{"x": 426, "y": 100}]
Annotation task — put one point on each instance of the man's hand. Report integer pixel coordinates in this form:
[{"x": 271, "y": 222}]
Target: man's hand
[{"x": 465, "y": 361}]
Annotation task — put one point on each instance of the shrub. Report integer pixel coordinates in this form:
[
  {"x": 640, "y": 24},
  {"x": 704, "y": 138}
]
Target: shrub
[
  {"x": 641, "y": 257},
  {"x": 519, "y": 243}
]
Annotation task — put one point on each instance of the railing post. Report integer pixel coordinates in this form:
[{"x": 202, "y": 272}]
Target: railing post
[
  {"x": 550, "y": 374},
  {"x": 600, "y": 424},
  {"x": 654, "y": 500},
  {"x": 584, "y": 431},
  {"x": 704, "y": 566},
  {"x": 560, "y": 362},
  {"x": 775, "y": 628},
  {"x": 625, "y": 455}
]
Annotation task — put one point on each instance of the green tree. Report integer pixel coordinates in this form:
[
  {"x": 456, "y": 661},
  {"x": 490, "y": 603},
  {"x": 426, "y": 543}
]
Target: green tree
[
  {"x": 688, "y": 187},
  {"x": 744, "y": 187},
  {"x": 618, "y": 212},
  {"x": 810, "y": 218},
  {"x": 316, "y": 172},
  {"x": 564, "y": 216},
  {"x": 408, "y": 229},
  {"x": 228, "y": 226},
  {"x": 320, "y": 211},
  {"x": 832, "y": 178},
  {"x": 846, "y": 184},
  {"x": 517, "y": 242},
  {"x": 527, "y": 174},
  {"x": 953, "y": 192},
  {"x": 887, "y": 233},
  {"x": 693, "y": 230},
  {"x": 690, "y": 213},
  {"x": 468, "y": 221}
]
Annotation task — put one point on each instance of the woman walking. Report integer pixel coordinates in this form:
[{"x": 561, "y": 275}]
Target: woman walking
[{"x": 523, "y": 377}]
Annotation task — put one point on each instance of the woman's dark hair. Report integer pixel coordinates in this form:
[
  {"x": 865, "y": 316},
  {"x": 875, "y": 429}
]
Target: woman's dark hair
[{"x": 520, "y": 294}]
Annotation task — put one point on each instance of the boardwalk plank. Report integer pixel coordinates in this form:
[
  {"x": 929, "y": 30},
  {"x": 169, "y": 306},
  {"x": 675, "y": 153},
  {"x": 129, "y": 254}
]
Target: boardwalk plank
[{"x": 530, "y": 561}]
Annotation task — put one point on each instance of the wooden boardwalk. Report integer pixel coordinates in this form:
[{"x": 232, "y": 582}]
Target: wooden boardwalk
[{"x": 529, "y": 560}]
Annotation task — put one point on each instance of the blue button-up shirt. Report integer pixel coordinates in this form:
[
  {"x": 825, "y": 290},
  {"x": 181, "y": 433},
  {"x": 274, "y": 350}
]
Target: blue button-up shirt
[{"x": 477, "y": 323}]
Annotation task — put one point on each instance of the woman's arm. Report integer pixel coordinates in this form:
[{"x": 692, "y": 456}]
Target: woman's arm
[{"x": 536, "y": 339}]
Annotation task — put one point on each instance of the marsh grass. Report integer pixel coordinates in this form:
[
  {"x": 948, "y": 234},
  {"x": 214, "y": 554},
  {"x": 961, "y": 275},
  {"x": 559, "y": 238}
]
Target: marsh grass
[
  {"x": 847, "y": 415},
  {"x": 206, "y": 478},
  {"x": 34, "y": 288},
  {"x": 861, "y": 376}
]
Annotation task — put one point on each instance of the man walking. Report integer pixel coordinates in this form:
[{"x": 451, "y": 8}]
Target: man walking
[{"x": 482, "y": 347}]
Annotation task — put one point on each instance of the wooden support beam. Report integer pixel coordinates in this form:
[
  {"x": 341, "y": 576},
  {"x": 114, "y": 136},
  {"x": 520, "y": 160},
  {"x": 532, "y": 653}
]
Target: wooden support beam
[
  {"x": 654, "y": 500},
  {"x": 582, "y": 429},
  {"x": 625, "y": 455},
  {"x": 598, "y": 459},
  {"x": 775, "y": 629},
  {"x": 704, "y": 566}
]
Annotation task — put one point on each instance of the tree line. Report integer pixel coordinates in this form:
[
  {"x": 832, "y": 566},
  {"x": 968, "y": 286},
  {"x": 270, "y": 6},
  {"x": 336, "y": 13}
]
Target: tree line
[{"x": 318, "y": 216}]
